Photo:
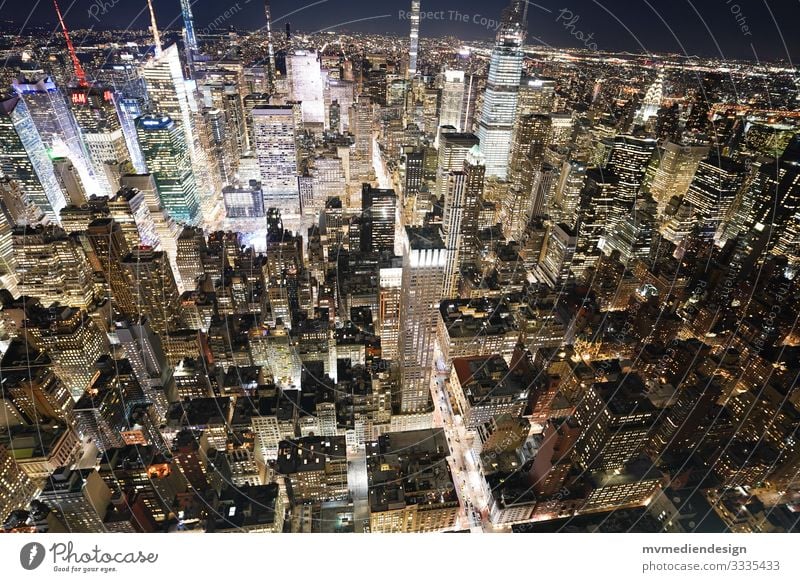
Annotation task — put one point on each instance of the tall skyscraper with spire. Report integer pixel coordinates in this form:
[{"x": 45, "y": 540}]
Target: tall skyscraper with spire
[
  {"x": 413, "y": 39},
  {"x": 166, "y": 88},
  {"x": 169, "y": 94},
  {"x": 496, "y": 124},
  {"x": 270, "y": 49},
  {"x": 651, "y": 102},
  {"x": 190, "y": 38}
]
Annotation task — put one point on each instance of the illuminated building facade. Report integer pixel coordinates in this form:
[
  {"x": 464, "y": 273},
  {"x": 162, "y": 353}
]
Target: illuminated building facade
[{"x": 167, "y": 157}]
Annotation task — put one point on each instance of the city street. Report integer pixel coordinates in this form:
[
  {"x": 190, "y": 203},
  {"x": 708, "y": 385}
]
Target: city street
[
  {"x": 464, "y": 465},
  {"x": 358, "y": 484}
]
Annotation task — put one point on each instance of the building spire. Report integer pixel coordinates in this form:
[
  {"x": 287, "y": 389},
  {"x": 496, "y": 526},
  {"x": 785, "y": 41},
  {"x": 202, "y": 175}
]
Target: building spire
[
  {"x": 79, "y": 72},
  {"x": 154, "y": 26}
]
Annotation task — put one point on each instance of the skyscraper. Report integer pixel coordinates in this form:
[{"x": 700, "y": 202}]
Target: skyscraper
[
  {"x": 633, "y": 234},
  {"x": 628, "y": 161},
  {"x": 163, "y": 145},
  {"x": 340, "y": 93},
  {"x": 96, "y": 112},
  {"x": 554, "y": 269},
  {"x": 69, "y": 181},
  {"x": 16, "y": 488},
  {"x": 222, "y": 143},
  {"x": 390, "y": 281},
  {"x": 378, "y": 209},
  {"x": 453, "y": 150},
  {"x": 130, "y": 210},
  {"x": 451, "y": 228},
  {"x": 24, "y": 159},
  {"x": 788, "y": 244},
  {"x": 31, "y": 385},
  {"x": 305, "y": 81},
  {"x": 55, "y": 122},
  {"x": 536, "y": 95},
  {"x": 274, "y": 135},
  {"x": 460, "y": 222},
  {"x": 594, "y": 211},
  {"x": 52, "y": 267},
  {"x": 8, "y": 262},
  {"x": 714, "y": 189},
  {"x": 270, "y": 49},
  {"x": 143, "y": 349},
  {"x": 81, "y": 499},
  {"x": 675, "y": 171},
  {"x": 425, "y": 258},
  {"x": 155, "y": 292},
  {"x": 651, "y": 102},
  {"x": 568, "y": 191},
  {"x": 413, "y": 39},
  {"x": 168, "y": 95},
  {"x": 531, "y": 136},
  {"x": 73, "y": 341},
  {"x": 616, "y": 418},
  {"x": 190, "y": 39},
  {"x": 167, "y": 230},
  {"x": 415, "y": 170},
  {"x": 361, "y": 127},
  {"x": 191, "y": 246},
  {"x": 545, "y": 180},
  {"x": 496, "y": 123},
  {"x": 109, "y": 247},
  {"x": 452, "y": 105}
]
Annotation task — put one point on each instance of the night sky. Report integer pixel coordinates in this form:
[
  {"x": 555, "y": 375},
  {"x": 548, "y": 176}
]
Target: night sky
[{"x": 729, "y": 28}]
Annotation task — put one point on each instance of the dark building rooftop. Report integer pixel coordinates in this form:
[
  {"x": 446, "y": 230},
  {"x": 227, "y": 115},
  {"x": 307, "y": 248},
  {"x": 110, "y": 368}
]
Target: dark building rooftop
[
  {"x": 309, "y": 453},
  {"x": 244, "y": 506},
  {"x": 409, "y": 468},
  {"x": 424, "y": 238}
]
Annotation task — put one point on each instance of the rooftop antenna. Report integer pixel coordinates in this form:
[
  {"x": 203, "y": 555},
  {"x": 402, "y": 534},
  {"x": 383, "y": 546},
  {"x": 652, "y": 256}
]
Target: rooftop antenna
[{"x": 79, "y": 72}]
